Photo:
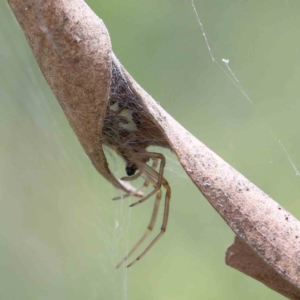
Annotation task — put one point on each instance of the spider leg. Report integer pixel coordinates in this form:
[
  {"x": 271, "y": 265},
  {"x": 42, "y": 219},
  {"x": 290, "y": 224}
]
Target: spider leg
[
  {"x": 148, "y": 231},
  {"x": 163, "y": 227},
  {"x": 151, "y": 174},
  {"x": 138, "y": 174},
  {"x": 154, "y": 164},
  {"x": 129, "y": 178},
  {"x": 156, "y": 179},
  {"x": 133, "y": 177}
]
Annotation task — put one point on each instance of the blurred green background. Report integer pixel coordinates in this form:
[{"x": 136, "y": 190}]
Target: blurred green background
[{"x": 60, "y": 233}]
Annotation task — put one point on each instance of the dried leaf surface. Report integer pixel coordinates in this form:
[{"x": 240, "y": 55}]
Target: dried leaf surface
[{"x": 72, "y": 47}]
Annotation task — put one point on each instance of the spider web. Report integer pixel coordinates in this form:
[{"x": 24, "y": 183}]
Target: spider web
[{"x": 233, "y": 78}]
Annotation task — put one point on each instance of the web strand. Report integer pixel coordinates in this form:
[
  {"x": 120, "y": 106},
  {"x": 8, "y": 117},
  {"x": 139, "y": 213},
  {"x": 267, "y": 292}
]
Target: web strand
[{"x": 234, "y": 79}]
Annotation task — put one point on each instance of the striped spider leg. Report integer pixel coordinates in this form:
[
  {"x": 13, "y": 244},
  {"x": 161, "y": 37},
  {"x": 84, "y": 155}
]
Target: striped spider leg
[{"x": 157, "y": 180}]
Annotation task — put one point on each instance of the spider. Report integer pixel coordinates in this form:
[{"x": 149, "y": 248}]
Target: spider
[{"x": 128, "y": 130}]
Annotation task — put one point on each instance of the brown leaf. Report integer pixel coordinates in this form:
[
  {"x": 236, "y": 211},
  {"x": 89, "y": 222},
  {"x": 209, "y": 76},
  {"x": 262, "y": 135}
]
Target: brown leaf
[{"x": 73, "y": 50}]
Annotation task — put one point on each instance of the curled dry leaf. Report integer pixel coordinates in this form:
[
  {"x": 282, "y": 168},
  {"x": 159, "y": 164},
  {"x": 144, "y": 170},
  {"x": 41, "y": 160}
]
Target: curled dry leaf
[
  {"x": 73, "y": 50},
  {"x": 243, "y": 258}
]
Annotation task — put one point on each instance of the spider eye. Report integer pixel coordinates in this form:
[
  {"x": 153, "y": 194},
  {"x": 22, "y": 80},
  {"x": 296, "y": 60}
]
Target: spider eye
[{"x": 130, "y": 170}]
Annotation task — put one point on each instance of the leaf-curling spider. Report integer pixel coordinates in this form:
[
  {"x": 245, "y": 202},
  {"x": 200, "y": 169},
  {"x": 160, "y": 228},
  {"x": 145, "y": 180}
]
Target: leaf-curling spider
[{"x": 129, "y": 130}]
